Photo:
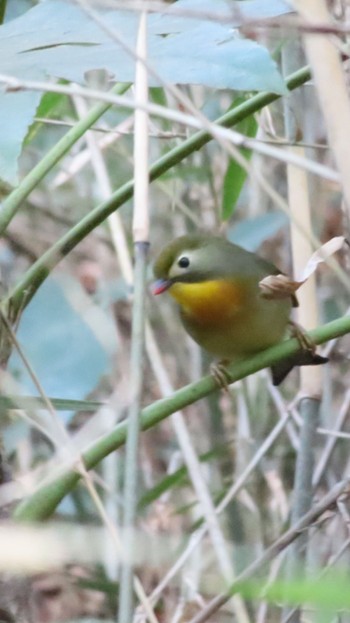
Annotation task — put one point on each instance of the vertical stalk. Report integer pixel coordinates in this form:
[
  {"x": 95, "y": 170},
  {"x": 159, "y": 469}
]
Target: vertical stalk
[
  {"x": 307, "y": 316},
  {"x": 141, "y": 246},
  {"x": 330, "y": 83},
  {"x": 131, "y": 453}
]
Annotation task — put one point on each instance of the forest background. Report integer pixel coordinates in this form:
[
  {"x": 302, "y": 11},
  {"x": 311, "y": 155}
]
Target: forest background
[{"x": 132, "y": 489}]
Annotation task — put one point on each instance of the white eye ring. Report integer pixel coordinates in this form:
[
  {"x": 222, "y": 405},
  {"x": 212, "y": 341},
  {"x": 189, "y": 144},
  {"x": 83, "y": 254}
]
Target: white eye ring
[{"x": 183, "y": 262}]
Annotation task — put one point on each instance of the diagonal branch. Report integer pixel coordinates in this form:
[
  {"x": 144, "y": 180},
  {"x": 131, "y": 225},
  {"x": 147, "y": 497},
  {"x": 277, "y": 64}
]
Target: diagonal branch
[
  {"x": 34, "y": 277},
  {"x": 43, "y": 501}
]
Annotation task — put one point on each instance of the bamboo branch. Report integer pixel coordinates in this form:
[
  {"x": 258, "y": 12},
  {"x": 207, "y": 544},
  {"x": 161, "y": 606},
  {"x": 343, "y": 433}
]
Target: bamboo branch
[
  {"x": 43, "y": 502},
  {"x": 34, "y": 277},
  {"x": 12, "y": 203},
  {"x": 193, "y": 120}
]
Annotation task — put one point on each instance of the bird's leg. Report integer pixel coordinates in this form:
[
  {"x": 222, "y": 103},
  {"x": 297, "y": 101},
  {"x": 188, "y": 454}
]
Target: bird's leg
[
  {"x": 304, "y": 340},
  {"x": 306, "y": 356},
  {"x": 220, "y": 373}
]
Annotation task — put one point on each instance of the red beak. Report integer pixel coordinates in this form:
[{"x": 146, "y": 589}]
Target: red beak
[{"x": 160, "y": 286}]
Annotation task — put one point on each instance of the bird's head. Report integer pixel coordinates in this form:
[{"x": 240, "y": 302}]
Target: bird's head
[{"x": 189, "y": 259}]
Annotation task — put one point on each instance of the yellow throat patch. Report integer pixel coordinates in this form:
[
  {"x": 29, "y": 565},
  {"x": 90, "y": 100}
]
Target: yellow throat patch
[{"x": 209, "y": 302}]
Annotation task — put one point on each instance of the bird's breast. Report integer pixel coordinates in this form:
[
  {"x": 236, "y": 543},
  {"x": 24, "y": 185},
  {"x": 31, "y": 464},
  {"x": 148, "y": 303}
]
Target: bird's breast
[{"x": 209, "y": 303}]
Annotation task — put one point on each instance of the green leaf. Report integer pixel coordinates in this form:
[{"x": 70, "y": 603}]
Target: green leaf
[
  {"x": 48, "y": 104},
  {"x": 70, "y": 342},
  {"x": 235, "y": 175},
  {"x": 252, "y": 232},
  {"x": 17, "y": 112},
  {"x": 330, "y": 591},
  {"x": 179, "y": 477},
  {"x": 181, "y": 50},
  {"x": 158, "y": 96}
]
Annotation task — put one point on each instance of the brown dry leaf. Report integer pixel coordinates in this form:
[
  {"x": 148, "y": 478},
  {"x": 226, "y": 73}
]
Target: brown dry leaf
[
  {"x": 281, "y": 286},
  {"x": 278, "y": 287},
  {"x": 322, "y": 254},
  {"x": 58, "y": 596}
]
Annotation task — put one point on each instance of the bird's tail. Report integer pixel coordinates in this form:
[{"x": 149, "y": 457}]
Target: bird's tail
[{"x": 301, "y": 358}]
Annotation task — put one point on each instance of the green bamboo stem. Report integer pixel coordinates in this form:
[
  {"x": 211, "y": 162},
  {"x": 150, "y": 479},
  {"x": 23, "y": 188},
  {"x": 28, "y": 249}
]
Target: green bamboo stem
[
  {"x": 12, "y": 203},
  {"x": 43, "y": 502},
  {"x": 33, "y": 278}
]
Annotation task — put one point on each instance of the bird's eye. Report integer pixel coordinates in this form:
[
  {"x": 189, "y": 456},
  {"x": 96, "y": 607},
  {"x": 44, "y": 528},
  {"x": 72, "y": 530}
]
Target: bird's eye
[{"x": 183, "y": 262}]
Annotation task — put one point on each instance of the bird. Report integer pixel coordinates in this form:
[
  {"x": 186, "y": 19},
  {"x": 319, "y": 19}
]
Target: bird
[{"x": 215, "y": 284}]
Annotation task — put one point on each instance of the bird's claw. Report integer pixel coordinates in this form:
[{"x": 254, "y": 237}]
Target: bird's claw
[
  {"x": 303, "y": 338},
  {"x": 220, "y": 373}
]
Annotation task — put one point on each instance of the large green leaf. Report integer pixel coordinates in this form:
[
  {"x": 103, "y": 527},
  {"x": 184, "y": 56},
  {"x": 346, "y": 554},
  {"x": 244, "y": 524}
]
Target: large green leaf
[
  {"x": 250, "y": 233},
  {"x": 69, "y": 341},
  {"x": 16, "y": 115},
  {"x": 181, "y": 50},
  {"x": 235, "y": 175}
]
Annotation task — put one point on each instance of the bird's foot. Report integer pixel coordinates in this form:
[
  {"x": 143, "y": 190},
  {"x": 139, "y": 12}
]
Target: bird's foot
[
  {"x": 220, "y": 373},
  {"x": 303, "y": 338},
  {"x": 306, "y": 356}
]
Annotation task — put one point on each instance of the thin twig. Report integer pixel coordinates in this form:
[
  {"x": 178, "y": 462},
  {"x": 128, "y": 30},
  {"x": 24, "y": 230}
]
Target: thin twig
[
  {"x": 82, "y": 158},
  {"x": 341, "y": 488},
  {"x": 230, "y": 495},
  {"x": 141, "y": 246},
  {"x": 330, "y": 443},
  {"x": 227, "y": 138},
  {"x": 217, "y": 132},
  {"x": 235, "y": 17},
  {"x": 282, "y": 410},
  {"x": 39, "y": 271},
  {"x": 11, "y": 204}
]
